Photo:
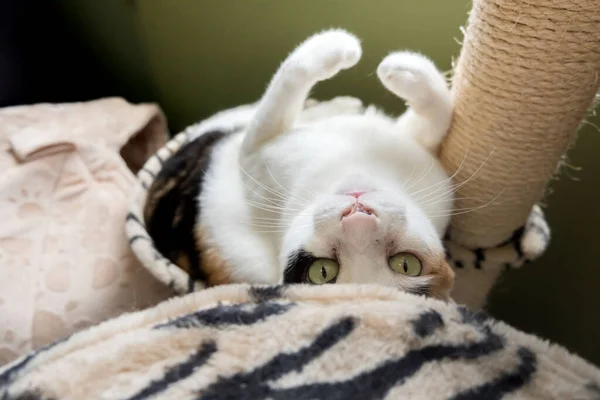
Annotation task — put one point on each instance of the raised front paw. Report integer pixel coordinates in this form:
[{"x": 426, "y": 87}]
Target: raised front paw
[
  {"x": 325, "y": 54},
  {"x": 410, "y": 76}
]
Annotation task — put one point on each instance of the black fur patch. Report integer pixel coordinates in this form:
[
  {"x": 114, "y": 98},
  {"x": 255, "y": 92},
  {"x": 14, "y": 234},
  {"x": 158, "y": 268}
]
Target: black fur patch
[
  {"x": 595, "y": 389},
  {"x": 9, "y": 375},
  {"x": 29, "y": 395},
  {"x": 473, "y": 317},
  {"x": 515, "y": 240},
  {"x": 135, "y": 238},
  {"x": 172, "y": 207},
  {"x": 427, "y": 323},
  {"x": 422, "y": 289},
  {"x": 297, "y": 266},
  {"x": 190, "y": 285},
  {"x": 132, "y": 217},
  {"x": 266, "y": 293},
  {"x": 479, "y": 257},
  {"x": 222, "y": 315},
  {"x": 447, "y": 254},
  {"x": 178, "y": 372},
  {"x": 505, "y": 383},
  {"x": 255, "y": 383}
]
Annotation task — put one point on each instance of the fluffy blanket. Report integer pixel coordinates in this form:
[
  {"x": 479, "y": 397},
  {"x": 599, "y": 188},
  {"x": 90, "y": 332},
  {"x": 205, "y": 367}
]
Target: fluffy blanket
[{"x": 301, "y": 342}]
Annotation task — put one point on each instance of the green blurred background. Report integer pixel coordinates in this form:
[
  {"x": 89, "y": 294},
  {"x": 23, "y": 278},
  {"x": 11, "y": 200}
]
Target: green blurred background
[{"x": 195, "y": 57}]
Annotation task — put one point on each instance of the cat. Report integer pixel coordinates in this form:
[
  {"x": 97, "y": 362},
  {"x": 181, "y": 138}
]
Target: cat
[{"x": 286, "y": 191}]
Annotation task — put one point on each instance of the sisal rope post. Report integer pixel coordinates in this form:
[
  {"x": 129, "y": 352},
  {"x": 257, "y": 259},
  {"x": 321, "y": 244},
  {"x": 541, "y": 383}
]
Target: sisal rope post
[{"x": 527, "y": 74}]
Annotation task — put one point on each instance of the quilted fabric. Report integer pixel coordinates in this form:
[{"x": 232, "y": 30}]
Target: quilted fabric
[{"x": 64, "y": 259}]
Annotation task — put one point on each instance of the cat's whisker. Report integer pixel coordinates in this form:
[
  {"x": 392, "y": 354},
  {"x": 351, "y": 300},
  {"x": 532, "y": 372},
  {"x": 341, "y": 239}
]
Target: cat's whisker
[
  {"x": 270, "y": 231},
  {"x": 437, "y": 194},
  {"x": 465, "y": 210},
  {"x": 282, "y": 219},
  {"x": 423, "y": 175},
  {"x": 282, "y": 227},
  {"x": 442, "y": 183},
  {"x": 265, "y": 207},
  {"x": 310, "y": 192},
  {"x": 285, "y": 225},
  {"x": 249, "y": 188},
  {"x": 282, "y": 196},
  {"x": 456, "y": 198},
  {"x": 305, "y": 201},
  {"x": 277, "y": 202},
  {"x": 280, "y": 205},
  {"x": 454, "y": 188},
  {"x": 412, "y": 171},
  {"x": 274, "y": 208},
  {"x": 268, "y": 219},
  {"x": 262, "y": 185},
  {"x": 287, "y": 215}
]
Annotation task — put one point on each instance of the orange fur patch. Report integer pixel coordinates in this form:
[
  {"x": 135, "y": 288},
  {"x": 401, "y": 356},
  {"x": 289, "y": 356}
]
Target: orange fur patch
[
  {"x": 442, "y": 276},
  {"x": 213, "y": 265}
]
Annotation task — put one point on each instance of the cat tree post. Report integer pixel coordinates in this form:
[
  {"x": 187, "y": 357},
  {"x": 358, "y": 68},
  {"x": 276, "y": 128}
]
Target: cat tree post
[{"x": 527, "y": 74}]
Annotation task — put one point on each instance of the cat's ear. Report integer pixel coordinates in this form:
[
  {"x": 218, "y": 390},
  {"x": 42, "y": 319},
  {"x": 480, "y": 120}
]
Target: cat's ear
[
  {"x": 415, "y": 79},
  {"x": 318, "y": 58}
]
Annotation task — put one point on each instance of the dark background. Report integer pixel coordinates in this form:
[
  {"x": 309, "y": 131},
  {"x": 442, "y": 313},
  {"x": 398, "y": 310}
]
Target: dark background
[
  {"x": 43, "y": 58},
  {"x": 195, "y": 57}
]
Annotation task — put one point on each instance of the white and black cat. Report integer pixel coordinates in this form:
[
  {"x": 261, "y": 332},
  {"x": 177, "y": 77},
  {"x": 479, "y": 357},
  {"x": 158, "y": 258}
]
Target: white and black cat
[{"x": 281, "y": 192}]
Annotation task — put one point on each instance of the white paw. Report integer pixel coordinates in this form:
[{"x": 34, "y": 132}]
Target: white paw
[
  {"x": 409, "y": 75},
  {"x": 537, "y": 234},
  {"x": 325, "y": 54}
]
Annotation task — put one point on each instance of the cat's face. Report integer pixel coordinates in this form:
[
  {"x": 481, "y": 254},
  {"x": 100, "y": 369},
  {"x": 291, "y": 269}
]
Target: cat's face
[{"x": 366, "y": 232}]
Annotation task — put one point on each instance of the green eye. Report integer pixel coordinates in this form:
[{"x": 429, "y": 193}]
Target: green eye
[
  {"x": 406, "y": 264},
  {"x": 323, "y": 271}
]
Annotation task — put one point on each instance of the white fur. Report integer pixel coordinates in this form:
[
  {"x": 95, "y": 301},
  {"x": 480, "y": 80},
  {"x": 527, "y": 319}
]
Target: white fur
[{"x": 279, "y": 185}]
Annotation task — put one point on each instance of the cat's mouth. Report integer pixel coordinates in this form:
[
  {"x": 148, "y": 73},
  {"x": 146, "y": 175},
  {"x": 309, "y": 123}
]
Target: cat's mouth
[{"x": 358, "y": 208}]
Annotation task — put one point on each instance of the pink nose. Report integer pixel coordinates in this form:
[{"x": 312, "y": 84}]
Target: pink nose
[{"x": 356, "y": 194}]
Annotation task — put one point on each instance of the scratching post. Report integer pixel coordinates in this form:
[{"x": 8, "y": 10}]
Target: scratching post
[{"x": 527, "y": 74}]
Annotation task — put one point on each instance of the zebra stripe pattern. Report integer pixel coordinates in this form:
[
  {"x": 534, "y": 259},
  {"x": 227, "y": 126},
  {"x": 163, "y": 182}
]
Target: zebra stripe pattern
[{"x": 301, "y": 342}]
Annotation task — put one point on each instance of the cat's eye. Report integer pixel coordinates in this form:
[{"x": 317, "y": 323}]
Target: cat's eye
[
  {"x": 406, "y": 264},
  {"x": 323, "y": 271}
]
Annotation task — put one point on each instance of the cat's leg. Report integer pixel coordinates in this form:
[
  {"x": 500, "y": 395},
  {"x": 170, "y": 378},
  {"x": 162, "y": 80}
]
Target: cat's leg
[
  {"x": 416, "y": 79},
  {"x": 318, "y": 58}
]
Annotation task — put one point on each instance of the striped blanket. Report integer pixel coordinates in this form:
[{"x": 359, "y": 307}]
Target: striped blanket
[{"x": 301, "y": 342}]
